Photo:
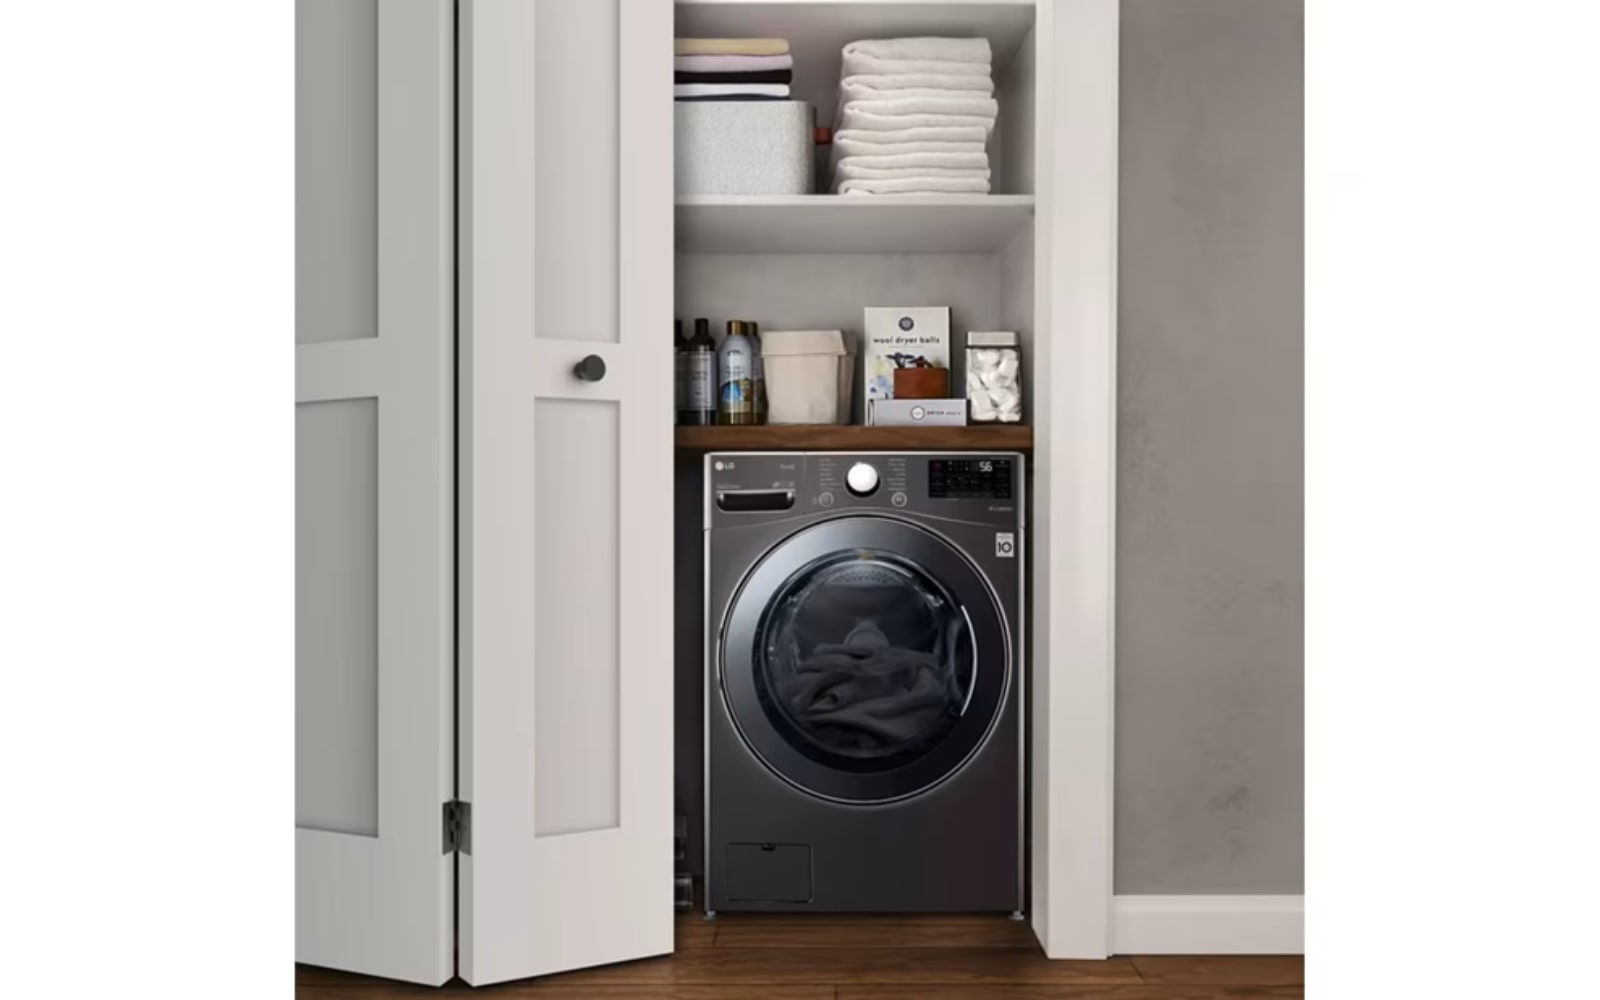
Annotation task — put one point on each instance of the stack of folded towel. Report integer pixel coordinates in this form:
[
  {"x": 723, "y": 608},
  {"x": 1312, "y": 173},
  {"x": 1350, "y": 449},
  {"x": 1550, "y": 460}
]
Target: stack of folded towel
[
  {"x": 915, "y": 115},
  {"x": 732, "y": 69}
]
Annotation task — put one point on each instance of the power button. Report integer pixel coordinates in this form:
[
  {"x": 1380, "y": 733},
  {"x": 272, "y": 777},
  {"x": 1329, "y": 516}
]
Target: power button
[{"x": 898, "y": 499}]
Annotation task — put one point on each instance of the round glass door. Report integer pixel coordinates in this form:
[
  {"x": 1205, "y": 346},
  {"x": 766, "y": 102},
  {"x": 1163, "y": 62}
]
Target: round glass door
[{"x": 865, "y": 659}]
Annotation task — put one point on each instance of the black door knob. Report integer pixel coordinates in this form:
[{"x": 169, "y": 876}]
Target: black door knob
[{"x": 590, "y": 369}]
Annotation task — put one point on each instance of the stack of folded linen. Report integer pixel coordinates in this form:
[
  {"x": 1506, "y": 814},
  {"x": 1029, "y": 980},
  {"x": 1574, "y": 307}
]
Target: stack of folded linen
[
  {"x": 732, "y": 69},
  {"x": 915, "y": 116}
]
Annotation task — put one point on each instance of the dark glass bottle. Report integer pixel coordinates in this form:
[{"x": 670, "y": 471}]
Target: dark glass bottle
[{"x": 699, "y": 406}]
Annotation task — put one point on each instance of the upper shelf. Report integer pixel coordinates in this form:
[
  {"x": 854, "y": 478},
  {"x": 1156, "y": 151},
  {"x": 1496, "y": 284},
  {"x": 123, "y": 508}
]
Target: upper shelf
[
  {"x": 818, "y": 31},
  {"x": 821, "y": 223}
]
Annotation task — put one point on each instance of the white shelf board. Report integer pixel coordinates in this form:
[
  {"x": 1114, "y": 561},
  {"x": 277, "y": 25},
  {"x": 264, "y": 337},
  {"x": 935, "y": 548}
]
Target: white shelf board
[
  {"x": 813, "y": 223},
  {"x": 818, "y": 31}
]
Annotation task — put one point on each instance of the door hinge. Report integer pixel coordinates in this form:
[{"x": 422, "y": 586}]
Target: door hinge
[{"x": 457, "y": 827}]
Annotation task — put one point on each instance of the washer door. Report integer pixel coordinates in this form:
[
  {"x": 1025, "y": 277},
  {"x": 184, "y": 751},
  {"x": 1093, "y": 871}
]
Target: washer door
[{"x": 865, "y": 659}]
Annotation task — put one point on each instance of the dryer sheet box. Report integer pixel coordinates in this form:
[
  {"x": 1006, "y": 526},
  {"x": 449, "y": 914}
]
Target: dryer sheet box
[{"x": 919, "y": 413}]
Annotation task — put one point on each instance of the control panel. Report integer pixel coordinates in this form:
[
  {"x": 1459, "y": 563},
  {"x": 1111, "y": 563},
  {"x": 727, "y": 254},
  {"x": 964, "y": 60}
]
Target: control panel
[
  {"x": 743, "y": 487},
  {"x": 970, "y": 478}
]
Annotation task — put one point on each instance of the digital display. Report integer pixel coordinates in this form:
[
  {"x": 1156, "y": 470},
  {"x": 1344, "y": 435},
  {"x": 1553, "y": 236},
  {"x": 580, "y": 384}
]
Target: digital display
[{"x": 969, "y": 478}]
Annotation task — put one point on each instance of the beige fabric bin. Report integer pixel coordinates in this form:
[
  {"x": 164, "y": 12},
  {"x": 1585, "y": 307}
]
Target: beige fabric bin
[{"x": 809, "y": 374}]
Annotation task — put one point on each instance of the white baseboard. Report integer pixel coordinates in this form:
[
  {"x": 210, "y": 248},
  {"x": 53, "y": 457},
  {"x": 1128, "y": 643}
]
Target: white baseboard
[{"x": 1208, "y": 925}]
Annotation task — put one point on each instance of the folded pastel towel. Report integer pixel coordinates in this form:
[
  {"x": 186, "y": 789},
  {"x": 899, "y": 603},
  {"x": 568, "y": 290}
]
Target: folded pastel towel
[
  {"x": 910, "y": 164},
  {"x": 852, "y": 120},
  {"x": 748, "y": 76},
  {"x": 731, "y": 46},
  {"x": 968, "y": 50},
  {"x": 730, "y": 89},
  {"x": 914, "y": 185},
  {"x": 936, "y": 133},
  {"x": 854, "y": 64},
  {"x": 892, "y": 84},
  {"x": 730, "y": 64}
]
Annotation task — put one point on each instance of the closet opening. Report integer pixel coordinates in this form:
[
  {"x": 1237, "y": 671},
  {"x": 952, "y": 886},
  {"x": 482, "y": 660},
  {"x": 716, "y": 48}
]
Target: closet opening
[{"x": 773, "y": 237}]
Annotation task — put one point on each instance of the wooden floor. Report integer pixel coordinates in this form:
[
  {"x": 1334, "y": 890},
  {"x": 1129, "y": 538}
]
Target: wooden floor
[{"x": 758, "y": 957}]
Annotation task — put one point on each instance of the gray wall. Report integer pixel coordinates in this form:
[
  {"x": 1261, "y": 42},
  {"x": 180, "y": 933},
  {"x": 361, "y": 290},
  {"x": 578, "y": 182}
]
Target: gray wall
[{"x": 1210, "y": 790}]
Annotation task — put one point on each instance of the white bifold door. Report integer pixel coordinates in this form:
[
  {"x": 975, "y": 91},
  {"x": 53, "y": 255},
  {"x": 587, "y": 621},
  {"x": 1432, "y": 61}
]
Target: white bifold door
[
  {"x": 374, "y": 495},
  {"x": 566, "y": 483},
  {"x": 484, "y": 485}
]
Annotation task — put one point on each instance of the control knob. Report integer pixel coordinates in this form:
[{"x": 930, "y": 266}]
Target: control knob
[{"x": 862, "y": 479}]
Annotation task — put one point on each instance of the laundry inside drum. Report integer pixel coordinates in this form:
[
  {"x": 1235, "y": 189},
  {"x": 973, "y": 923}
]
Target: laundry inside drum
[{"x": 863, "y": 655}]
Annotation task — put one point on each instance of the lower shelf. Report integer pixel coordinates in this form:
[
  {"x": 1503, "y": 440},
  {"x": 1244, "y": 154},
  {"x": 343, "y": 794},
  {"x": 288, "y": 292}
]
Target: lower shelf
[{"x": 832, "y": 437}]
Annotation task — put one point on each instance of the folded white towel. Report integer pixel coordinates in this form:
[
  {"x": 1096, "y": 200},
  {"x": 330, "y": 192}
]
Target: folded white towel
[
  {"x": 946, "y": 133},
  {"x": 912, "y": 163},
  {"x": 854, "y": 63},
  {"x": 876, "y": 151},
  {"x": 974, "y": 106},
  {"x": 914, "y": 185},
  {"x": 870, "y": 152},
  {"x": 855, "y": 147},
  {"x": 851, "y": 120},
  {"x": 730, "y": 64},
  {"x": 730, "y": 89},
  {"x": 914, "y": 93},
  {"x": 925, "y": 102},
  {"x": 866, "y": 85},
  {"x": 864, "y": 174},
  {"x": 969, "y": 50}
]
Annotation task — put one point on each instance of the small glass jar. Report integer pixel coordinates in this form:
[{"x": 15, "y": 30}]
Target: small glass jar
[{"x": 994, "y": 377}]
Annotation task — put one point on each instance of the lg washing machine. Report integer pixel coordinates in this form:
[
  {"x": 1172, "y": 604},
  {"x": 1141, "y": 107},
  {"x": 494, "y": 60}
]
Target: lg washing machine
[{"x": 864, "y": 682}]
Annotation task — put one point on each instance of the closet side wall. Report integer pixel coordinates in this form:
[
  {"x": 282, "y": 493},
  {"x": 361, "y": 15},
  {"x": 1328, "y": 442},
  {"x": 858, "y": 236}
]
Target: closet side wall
[{"x": 1209, "y": 726}]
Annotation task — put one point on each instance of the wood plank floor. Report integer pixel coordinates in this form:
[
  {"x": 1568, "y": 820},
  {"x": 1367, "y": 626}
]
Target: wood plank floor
[{"x": 761, "y": 957}]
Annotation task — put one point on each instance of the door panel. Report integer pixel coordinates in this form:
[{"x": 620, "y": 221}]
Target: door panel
[
  {"x": 575, "y": 189},
  {"x": 336, "y": 170},
  {"x": 576, "y": 616},
  {"x": 566, "y": 526},
  {"x": 336, "y": 616},
  {"x": 374, "y": 494}
]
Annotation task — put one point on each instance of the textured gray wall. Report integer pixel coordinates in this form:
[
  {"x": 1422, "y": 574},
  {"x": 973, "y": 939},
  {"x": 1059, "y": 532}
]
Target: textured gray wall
[{"x": 1210, "y": 600}]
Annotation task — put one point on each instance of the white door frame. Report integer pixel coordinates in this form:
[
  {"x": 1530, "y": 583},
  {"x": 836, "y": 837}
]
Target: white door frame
[{"x": 1074, "y": 531}]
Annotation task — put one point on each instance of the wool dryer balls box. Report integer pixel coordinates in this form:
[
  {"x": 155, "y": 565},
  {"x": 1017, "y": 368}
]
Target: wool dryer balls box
[
  {"x": 898, "y": 337},
  {"x": 743, "y": 147}
]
